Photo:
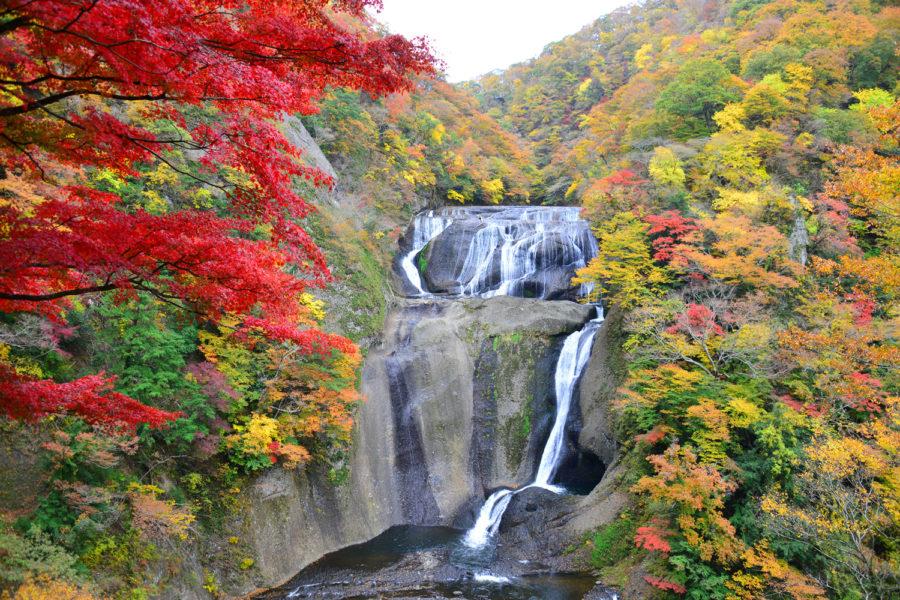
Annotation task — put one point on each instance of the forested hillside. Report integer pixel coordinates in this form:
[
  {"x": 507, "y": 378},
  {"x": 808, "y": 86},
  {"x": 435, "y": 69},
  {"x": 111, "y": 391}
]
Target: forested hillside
[
  {"x": 434, "y": 144},
  {"x": 169, "y": 244},
  {"x": 160, "y": 337},
  {"x": 188, "y": 287},
  {"x": 740, "y": 164}
]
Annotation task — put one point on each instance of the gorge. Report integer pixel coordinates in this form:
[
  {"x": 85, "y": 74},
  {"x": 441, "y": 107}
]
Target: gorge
[{"x": 285, "y": 312}]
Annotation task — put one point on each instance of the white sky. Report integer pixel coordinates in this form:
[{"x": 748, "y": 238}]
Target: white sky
[{"x": 474, "y": 37}]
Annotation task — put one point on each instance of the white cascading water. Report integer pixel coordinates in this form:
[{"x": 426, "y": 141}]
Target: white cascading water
[
  {"x": 426, "y": 227},
  {"x": 572, "y": 359},
  {"x": 516, "y": 241}
]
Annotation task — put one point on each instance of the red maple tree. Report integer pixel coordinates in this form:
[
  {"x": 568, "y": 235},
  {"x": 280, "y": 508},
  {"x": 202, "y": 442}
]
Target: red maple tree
[{"x": 72, "y": 70}]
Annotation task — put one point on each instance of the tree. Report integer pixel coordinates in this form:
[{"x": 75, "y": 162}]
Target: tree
[
  {"x": 744, "y": 255},
  {"x": 845, "y": 507},
  {"x": 80, "y": 77},
  {"x": 870, "y": 185},
  {"x": 623, "y": 265},
  {"x": 665, "y": 169},
  {"x": 700, "y": 89},
  {"x": 694, "y": 495}
]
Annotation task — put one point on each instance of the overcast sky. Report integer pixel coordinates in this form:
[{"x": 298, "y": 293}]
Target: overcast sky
[{"x": 477, "y": 36}]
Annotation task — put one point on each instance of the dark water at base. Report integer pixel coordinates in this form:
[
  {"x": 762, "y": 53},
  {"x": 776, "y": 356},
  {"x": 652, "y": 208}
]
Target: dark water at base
[{"x": 410, "y": 562}]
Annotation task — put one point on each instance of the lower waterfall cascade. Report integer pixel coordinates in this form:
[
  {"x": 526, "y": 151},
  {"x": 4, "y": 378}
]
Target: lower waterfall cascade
[{"x": 572, "y": 359}]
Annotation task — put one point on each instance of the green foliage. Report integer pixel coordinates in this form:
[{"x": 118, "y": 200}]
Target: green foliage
[
  {"x": 613, "y": 542},
  {"x": 137, "y": 342},
  {"x": 740, "y": 358},
  {"x": 35, "y": 554},
  {"x": 771, "y": 61},
  {"x": 876, "y": 64},
  {"x": 701, "y": 580},
  {"x": 120, "y": 555},
  {"x": 358, "y": 262},
  {"x": 700, "y": 89},
  {"x": 843, "y": 126}
]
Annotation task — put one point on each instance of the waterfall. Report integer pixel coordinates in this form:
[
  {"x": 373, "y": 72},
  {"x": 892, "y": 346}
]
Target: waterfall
[
  {"x": 425, "y": 228},
  {"x": 502, "y": 251},
  {"x": 511, "y": 251},
  {"x": 572, "y": 359},
  {"x": 489, "y": 517}
]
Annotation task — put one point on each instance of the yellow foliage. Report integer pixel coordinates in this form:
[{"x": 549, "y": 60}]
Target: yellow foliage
[
  {"x": 712, "y": 432},
  {"x": 438, "y": 133},
  {"x": 623, "y": 266},
  {"x": 665, "y": 168},
  {"x": 493, "y": 190},
  {"x": 163, "y": 174},
  {"x": 731, "y": 117},
  {"x": 257, "y": 436},
  {"x": 315, "y": 306},
  {"x": 23, "y": 365},
  {"x": 751, "y": 337},
  {"x": 154, "y": 203},
  {"x": 745, "y": 586},
  {"x": 232, "y": 358},
  {"x": 110, "y": 178},
  {"x": 718, "y": 35},
  {"x": 643, "y": 56},
  {"x": 584, "y": 86},
  {"x": 736, "y": 158},
  {"x": 805, "y": 139},
  {"x": 455, "y": 196},
  {"x": 742, "y": 413},
  {"x": 842, "y": 458},
  {"x": 748, "y": 203},
  {"x": 800, "y": 81},
  {"x": 778, "y": 575},
  {"x": 202, "y": 198}
]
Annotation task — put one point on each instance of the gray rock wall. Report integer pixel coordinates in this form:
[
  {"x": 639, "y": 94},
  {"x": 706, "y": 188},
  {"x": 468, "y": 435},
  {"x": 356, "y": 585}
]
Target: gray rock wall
[
  {"x": 603, "y": 374},
  {"x": 478, "y": 392}
]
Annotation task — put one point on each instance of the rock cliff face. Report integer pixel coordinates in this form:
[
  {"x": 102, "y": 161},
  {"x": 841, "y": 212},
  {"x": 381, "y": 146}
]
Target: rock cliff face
[{"x": 459, "y": 401}]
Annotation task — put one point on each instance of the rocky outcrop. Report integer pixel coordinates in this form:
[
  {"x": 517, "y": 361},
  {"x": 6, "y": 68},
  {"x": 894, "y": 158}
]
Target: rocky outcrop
[
  {"x": 473, "y": 382},
  {"x": 459, "y": 399},
  {"x": 541, "y": 526},
  {"x": 529, "y": 252},
  {"x": 604, "y": 373}
]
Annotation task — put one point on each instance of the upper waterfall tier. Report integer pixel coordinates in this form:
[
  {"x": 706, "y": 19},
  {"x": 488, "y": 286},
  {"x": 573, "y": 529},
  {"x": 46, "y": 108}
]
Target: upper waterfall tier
[{"x": 490, "y": 251}]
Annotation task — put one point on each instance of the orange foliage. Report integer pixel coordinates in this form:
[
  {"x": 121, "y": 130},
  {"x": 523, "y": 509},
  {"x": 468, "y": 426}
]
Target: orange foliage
[
  {"x": 45, "y": 588},
  {"x": 696, "y": 492},
  {"x": 744, "y": 254}
]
